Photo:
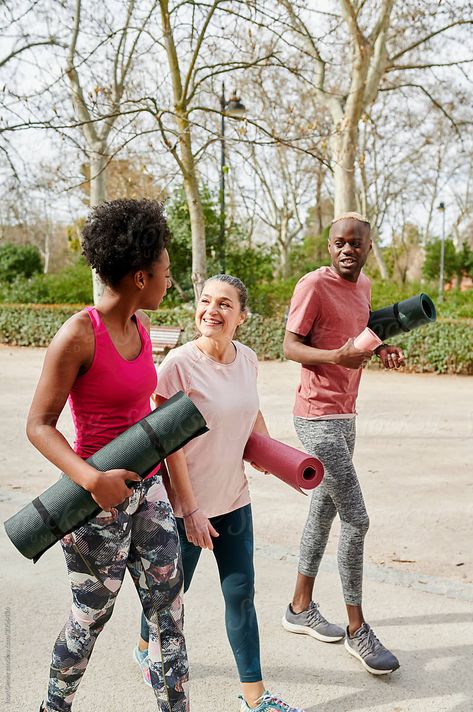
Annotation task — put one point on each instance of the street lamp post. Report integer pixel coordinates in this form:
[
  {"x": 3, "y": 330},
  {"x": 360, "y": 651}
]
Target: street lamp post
[
  {"x": 441, "y": 206},
  {"x": 232, "y": 107}
]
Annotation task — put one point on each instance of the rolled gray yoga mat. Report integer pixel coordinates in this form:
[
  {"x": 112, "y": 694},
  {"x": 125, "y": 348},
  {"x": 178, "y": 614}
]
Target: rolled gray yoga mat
[
  {"x": 65, "y": 505},
  {"x": 402, "y": 316}
]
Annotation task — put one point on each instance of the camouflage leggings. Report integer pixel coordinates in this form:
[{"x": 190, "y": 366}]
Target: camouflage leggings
[{"x": 140, "y": 536}]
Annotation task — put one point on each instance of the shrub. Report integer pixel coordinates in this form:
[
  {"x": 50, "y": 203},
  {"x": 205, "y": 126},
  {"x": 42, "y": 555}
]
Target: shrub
[
  {"x": 30, "y": 325},
  {"x": 444, "y": 347},
  {"x": 72, "y": 285},
  {"x": 456, "y": 304},
  {"x": 18, "y": 260},
  {"x": 272, "y": 298}
]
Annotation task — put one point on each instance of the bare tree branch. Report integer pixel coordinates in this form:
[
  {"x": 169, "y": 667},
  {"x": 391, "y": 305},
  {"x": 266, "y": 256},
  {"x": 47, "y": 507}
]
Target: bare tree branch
[
  {"x": 14, "y": 53},
  {"x": 428, "y": 37}
]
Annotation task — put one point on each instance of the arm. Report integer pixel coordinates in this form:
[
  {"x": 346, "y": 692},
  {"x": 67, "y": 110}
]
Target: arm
[
  {"x": 296, "y": 350},
  {"x": 199, "y": 530},
  {"x": 260, "y": 425},
  {"x": 70, "y": 354}
]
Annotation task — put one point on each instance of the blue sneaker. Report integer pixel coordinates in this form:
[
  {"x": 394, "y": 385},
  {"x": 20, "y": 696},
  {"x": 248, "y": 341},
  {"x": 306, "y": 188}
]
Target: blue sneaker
[
  {"x": 268, "y": 702},
  {"x": 141, "y": 657}
]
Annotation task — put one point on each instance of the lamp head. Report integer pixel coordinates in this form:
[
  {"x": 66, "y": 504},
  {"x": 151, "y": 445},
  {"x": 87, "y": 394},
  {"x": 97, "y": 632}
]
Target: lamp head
[{"x": 234, "y": 107}]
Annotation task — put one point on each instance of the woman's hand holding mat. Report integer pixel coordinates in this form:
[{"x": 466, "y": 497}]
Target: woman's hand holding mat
[{"x": 292, "y": 466}]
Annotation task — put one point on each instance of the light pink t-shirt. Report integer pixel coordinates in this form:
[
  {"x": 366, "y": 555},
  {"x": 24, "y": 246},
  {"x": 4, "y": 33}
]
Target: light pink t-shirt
[
  {"x": 328, "y": 310},
  {"x": 227, "y": 397}
]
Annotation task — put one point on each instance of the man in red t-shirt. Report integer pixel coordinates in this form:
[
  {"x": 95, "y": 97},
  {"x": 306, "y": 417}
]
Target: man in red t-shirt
[{"x": 330, "y": 307}]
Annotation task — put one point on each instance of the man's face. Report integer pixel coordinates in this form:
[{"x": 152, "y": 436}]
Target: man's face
[{"x": 349, "y": 245}]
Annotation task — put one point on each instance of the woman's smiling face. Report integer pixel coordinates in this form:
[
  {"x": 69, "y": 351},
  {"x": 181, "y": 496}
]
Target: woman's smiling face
[{"x": 218, "y": 312}]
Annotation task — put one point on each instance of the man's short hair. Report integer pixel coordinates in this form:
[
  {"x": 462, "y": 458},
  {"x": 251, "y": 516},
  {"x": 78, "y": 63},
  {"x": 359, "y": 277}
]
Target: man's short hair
[{"x": 352, "y": 216}]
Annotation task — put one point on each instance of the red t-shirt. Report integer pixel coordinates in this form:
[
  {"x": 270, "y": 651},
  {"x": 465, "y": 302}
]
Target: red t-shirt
[{"x": 328, "y": 310}]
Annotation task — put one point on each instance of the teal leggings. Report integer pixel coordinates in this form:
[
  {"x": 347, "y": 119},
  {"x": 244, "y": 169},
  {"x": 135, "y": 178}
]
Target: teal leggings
[{"x": 233, "y": 551}]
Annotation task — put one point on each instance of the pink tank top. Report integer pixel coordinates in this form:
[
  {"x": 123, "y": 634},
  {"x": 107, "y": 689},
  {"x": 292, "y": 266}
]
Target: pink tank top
[{"x": 113, "y": 393}]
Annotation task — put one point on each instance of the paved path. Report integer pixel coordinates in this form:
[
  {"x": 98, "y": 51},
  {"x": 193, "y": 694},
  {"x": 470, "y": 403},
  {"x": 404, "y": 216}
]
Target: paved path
[{"x": 414, "y": 457}]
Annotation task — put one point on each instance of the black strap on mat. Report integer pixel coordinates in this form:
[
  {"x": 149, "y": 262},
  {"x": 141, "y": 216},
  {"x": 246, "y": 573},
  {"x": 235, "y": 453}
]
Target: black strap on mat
[
  {"x": 398, "y": 318},
  {"x": 47, "y": 518},
  {"x": 154, "y": 440}
]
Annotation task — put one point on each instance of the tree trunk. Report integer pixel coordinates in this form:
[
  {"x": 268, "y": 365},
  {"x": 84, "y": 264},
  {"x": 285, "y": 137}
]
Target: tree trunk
[
  {"x": 344, "y": 146},
  {"x": 378, "y": 255},
  {"x": 283, "y": 241},
  {"x": 199, "y": 258},
  {"x": 47, "y": 251},
  {"x": 98, "y": 179},
  {"x": 318, "y": 221},
  {"x": 98, "y": 194},
  {"x": 196, "y": 213},
  {"x": 184, "y": 157}
]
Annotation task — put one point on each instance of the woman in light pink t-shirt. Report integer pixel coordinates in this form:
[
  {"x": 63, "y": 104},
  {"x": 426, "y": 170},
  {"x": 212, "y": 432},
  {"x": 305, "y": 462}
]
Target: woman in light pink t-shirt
[{"x": 211, "y": 498}]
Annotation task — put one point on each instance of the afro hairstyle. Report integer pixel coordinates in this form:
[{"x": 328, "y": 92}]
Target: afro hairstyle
[{"x": 122, "y": 236}]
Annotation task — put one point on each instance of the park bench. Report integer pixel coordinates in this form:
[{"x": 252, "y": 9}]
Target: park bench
[{"x": 163, "y": 339}]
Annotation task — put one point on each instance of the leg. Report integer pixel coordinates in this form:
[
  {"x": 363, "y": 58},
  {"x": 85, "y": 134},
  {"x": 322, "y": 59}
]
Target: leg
[
  {"x": 314, "y": 538},
  {"x": 321, "y": 514},
  {"x": 333, "y": 442},
  {"x": 96, "y": 557},
  {"x": 354, "y": 519},
  {"x": 190, "y": 557},
  {"x": 155, "y": 565},
  {"x": 234, "y": 555}
]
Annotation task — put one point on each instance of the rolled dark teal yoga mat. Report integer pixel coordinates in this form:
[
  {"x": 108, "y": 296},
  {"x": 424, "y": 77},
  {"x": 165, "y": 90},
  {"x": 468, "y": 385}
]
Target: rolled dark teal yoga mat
[
  {"x": 65, "y": 505},
  {"x": 402, "y": 316}
]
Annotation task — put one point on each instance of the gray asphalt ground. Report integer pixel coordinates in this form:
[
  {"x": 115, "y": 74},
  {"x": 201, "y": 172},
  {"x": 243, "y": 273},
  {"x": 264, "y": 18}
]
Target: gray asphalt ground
[{"x": 414, "y": 454}]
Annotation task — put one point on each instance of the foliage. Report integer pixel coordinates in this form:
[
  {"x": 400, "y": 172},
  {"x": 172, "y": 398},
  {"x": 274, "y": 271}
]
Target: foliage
[
  {"x": 250, "y": 264},
  {"x": 18, "y": 260},
  {"x": 272, "y": 298},
  {"x": 465, "y": 260},
  {"x": 178, "y": 217},
  {"x": 405, "y": 247},
  {"x": 386, "y": 292},
  {"x": 264, "y": 335},
  {"x": 444, "y": 347},
  {"x": 431, "y": 269},
  {"x": 28, "y": 325},
  {"x": 310, "y": 253},
  {"x": 72, "y": 285},
  {"x": 456, "y": 305}
]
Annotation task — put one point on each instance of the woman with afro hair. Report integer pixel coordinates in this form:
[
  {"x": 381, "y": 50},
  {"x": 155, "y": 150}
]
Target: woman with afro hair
[{"x": 101, "y": 361}]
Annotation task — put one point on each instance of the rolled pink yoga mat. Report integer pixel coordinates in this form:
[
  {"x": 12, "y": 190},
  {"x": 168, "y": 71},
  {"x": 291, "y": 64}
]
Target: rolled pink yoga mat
[
  {"x": 367, "y": 340},
  {"x": 292, "y": 466}
]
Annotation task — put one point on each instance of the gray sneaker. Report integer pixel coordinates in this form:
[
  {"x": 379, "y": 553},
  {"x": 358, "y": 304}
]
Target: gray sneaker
[
  {"x": 365, "y": 646},
  {"x": 311, "y": 622}
]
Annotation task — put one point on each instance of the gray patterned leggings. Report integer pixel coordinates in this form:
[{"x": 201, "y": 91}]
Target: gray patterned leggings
[
  {"x": 140, "y": 536},
  {"x": 333, "y": 442}
]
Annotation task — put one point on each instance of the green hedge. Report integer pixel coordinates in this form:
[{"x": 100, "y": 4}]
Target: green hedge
[
  {"x": 72, "y": 285},
  {"x": 455, "y": 304},
  {"x": 444, "y": 347}
]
